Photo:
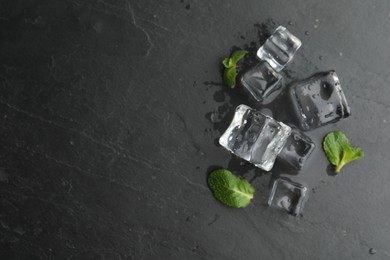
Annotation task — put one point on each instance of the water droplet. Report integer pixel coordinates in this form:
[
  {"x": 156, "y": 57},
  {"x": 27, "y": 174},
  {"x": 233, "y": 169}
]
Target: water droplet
[
  {"x": 341, "y": 54},
  {"x": 372, "y": 251},
  {"x": 290, "y": 23},
  {"x": 213, "y": 117},
  {"x": 296, "y": 137},
  {"x": 321, "y": 57},
  {"x": 307, "y": 33},
  {"x": 314, "y": 96}
]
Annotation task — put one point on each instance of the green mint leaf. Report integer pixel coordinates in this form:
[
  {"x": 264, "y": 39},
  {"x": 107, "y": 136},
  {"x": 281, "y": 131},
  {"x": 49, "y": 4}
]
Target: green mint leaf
[
  {"x": 238, "y": 55},
  {"x": 229, "y": 189},
  {"x": 228, "y": 63},
  {"x": 339, "y": 151},
  {"x": 333, "y": 146},
  {"x": 230, "y": 73},
  {"x": 229, "y": 77}
]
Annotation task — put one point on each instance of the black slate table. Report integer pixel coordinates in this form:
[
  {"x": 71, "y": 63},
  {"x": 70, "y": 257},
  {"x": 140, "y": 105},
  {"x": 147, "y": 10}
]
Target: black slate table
[{"x": 110, "y": 115}]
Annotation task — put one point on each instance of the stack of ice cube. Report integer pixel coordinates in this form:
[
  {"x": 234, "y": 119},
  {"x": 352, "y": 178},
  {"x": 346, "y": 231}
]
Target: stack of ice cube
[
  {"x": 264, "y": 79},
  {"x": 260, "y": 139}
]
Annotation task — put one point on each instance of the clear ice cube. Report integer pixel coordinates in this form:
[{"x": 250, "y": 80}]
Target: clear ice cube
[
  {"x": 319, "y": 100},
  {"x": 261, "y": 81},
  {"x": 297, "y": 149},
  {"x": 255, "y": 137},
  {"x": 279, "y": 48},
  {"x": 288, "y": 196}
]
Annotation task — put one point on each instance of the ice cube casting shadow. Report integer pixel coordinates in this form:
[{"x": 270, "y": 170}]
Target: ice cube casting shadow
[
  {"x": 287, "y": 195},
  {"x": 255, "y": 137},
  {"x": 319, "y": 100}
]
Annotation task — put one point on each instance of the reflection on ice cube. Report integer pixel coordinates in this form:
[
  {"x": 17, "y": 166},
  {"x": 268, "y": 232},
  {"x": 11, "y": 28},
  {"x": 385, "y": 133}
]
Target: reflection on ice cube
[
  {"x": 288, "y": 196},
  {"x": 261, "y": 81},
  {"x": 319, "y": 100},
  {"x": 255, "y": 137},
  {"x": 297, "y": 149},
  {"x": 279, "y": 49}
]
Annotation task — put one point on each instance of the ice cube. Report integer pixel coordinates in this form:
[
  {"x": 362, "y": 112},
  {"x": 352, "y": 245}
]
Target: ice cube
[
  {"x": 279, "y": 48},
  {"x": 261, "y": 81},
  {"x": 288, "y": 196},
  {"x": 255, "y": 137},
  {"x": 297, "y": 149},
  {"x": 319, "y": 100}
]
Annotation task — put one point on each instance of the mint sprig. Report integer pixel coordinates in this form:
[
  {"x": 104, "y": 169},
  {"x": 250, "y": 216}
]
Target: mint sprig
[
  {"x": 339, "y": 151},
  {"x": 229, "y": 189},
  {"x": 230, "y": 64}
]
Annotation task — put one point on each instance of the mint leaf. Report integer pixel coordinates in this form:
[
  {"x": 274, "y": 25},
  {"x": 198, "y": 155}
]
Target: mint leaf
[
  {"x": 229, "y": 76},
  {"x": 339, "y": 151},
  {"x": 228, "y": 63},
  {"x": 333, "y": 145},
  {"x": 238, "y": 55},
  {"x": 230, "y": 73},
  {"x": 229, "y": 189}
]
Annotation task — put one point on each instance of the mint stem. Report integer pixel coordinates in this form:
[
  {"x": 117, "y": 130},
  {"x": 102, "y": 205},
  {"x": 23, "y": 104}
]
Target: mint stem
[{"x": 338, "y": 167}]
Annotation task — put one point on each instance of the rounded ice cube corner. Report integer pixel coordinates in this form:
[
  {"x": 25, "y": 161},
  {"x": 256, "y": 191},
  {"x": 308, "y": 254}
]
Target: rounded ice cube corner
[{"x": 345, "y": 108}]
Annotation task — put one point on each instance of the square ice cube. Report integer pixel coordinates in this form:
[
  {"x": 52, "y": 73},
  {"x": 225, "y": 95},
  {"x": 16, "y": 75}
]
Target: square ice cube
[
  {"x": 255, "y": 137},
  {"x": 279, "y": 48},
  {"x": 261, "y": 81},
  {"x": 287, "y": 195},
  {"x": 319, "y": 100},
  {"x": 297, "y": 149}
]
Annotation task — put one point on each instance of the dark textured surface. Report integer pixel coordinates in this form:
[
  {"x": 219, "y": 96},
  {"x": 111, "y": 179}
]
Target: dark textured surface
[{"x": 106, "y": 138}]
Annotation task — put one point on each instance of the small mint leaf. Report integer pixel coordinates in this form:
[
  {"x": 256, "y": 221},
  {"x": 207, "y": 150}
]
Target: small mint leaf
[
  {"x": 238, "y": 55},
  {"x": 229, "y": 76},
  {"x": 230, "y": 73},
  {"x": 338, "y": 150},
  {"x": 228, "y": 63}
]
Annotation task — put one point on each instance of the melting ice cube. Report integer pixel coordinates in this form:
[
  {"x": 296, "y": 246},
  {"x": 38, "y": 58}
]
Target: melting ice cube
[
  {"x": 319, "y": 100},
  {"x": 255, "y": 137},
  {"x": 279, "y": 49},
  {"x": 287, "y": 195},
  {"x": 297, "y": 149},
  {"x": 261, "y": 81}
]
